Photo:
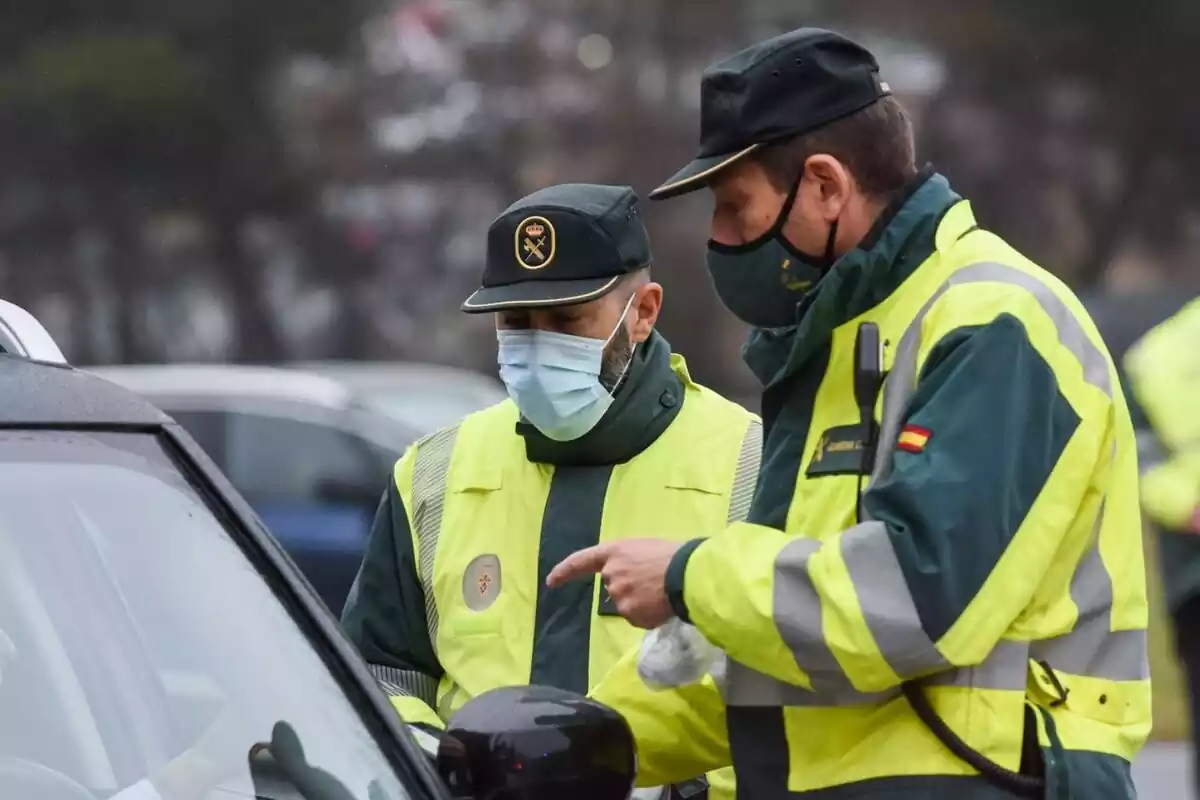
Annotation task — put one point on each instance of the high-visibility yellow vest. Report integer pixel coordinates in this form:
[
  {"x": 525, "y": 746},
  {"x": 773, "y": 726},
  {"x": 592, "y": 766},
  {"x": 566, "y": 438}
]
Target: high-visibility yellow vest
[{"x": 479, "y": 517}]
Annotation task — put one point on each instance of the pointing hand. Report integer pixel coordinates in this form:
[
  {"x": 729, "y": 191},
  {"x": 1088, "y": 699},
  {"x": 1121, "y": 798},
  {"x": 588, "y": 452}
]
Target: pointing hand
[{"x": 633, "y": 570}]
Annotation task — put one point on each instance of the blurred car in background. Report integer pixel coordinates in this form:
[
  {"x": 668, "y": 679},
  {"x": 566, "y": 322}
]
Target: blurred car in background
[
  {"x": 426, "y": 396},
  {"x": 309, "y": 457}
]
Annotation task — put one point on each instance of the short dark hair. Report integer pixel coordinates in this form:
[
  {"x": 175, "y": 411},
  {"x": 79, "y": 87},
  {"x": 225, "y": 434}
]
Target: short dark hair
[
  {"x": 636, "y": 279},
  {"x": 876, "y": 145}
]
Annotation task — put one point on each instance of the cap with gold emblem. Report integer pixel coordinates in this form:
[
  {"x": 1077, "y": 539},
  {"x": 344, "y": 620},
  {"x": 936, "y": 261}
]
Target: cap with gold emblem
[{"x": 560, "y": 246}]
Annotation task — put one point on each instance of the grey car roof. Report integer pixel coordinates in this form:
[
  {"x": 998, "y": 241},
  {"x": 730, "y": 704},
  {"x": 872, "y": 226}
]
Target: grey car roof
[
  {"x": 228, "y": 380},
  {"x": 39, "y": 393}
]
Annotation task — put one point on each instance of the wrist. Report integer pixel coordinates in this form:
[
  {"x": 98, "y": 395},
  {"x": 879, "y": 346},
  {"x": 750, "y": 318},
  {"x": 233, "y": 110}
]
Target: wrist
[{"x": 676, "y": 573}]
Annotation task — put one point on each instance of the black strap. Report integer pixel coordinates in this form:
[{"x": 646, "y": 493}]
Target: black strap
[
  {"x": 1030, "y": 780},
  {"x": 1019, "y": 783}
]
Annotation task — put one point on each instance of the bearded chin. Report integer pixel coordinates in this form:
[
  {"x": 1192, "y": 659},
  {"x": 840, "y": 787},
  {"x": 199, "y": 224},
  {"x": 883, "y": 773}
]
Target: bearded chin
[{"x": 615, "y": 364}]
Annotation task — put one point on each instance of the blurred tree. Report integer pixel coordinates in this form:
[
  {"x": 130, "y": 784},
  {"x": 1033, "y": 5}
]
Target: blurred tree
[
  {"x": 151, "y": 107},
  {"x": 1067, "y": 122}
]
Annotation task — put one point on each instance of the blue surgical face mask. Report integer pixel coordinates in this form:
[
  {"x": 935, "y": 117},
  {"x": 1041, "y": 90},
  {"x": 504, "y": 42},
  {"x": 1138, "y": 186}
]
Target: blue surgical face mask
[
  {"x": 763, "y": 281},
  {"x": 554, "y": 378}
]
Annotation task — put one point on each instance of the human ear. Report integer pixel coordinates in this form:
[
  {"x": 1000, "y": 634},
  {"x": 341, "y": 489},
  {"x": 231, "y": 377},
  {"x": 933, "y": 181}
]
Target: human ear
[
  {"x": 830, "y": 185},
  {"x": 647, "y": 302}
]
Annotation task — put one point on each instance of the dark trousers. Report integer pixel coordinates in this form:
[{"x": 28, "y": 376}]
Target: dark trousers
[{"x": 1187, "y": 643}]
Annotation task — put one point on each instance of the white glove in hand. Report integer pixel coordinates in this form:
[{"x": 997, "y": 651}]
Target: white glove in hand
[{"x": 676, "y": 654}]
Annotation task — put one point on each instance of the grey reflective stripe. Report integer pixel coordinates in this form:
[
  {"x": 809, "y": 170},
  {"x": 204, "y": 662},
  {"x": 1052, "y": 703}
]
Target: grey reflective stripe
[
  {"x": 1005, "y": 668},
  {"x": 798, "y": 617},
  {"x": 1092, "y": 647},
  {"x": 1097, "y": 652},
  {"x": 902, "y": 379},
  {"x": 745, "y": 687},
  {"x": 406, "y": 683},
  {"x": 745, "y": 476},
  {"x": 431, "y": 466},
  {"x": 887, "y": 605}
]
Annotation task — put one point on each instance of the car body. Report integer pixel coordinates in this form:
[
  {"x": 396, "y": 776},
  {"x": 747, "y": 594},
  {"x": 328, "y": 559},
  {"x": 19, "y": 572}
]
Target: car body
[
  {"x": 310, "y": 458},
  {"x": 157, "y": 642},
  {"x": 143, "y": 607},
  {"x": 425, "y": 396}
]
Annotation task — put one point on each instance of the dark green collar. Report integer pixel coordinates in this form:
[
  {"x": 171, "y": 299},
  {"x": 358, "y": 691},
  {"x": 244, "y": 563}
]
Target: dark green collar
[
  {"x": 900, "y": 241},
  {"x": 647, "y": 401}
]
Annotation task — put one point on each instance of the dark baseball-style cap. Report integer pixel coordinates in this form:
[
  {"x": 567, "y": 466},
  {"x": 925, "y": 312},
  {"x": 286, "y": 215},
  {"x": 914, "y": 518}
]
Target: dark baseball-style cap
[
  {"x": 783, "y": 87},
  {"x": 560, "y": 246}
]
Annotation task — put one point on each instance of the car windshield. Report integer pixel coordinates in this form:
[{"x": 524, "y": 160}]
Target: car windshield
[{"x": 139, "y": 643}]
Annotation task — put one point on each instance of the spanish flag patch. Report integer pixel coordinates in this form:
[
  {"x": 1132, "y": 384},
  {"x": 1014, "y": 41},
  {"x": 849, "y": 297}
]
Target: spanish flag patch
[{"x": 913, "y": 438}]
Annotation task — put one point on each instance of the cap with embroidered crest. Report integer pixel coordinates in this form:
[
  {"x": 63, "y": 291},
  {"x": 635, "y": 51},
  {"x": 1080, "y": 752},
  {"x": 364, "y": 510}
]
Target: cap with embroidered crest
[
  {"x": 786, "y": 86},
  {"x": 560, "y": 246}
]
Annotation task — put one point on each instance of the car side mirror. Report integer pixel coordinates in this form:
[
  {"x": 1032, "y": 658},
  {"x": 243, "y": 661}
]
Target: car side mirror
[{"x": 537, "y": 743}]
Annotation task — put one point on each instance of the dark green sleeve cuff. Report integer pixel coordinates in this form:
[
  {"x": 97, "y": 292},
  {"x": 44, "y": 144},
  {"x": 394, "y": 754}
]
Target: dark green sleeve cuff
[{"x": 674, "y": 580}]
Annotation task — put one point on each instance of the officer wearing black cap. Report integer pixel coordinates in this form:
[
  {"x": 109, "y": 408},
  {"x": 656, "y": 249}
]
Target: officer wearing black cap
[
  {"x": 939, "y": 592},
  {"x": 605, "y": 435}
]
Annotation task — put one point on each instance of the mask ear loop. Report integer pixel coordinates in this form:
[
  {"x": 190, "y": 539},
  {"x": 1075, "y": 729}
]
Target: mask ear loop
[
  {"x": 830, "y": 243},
  {"x": 786, "y": 211},
  {"x": 632, "y": 345}
]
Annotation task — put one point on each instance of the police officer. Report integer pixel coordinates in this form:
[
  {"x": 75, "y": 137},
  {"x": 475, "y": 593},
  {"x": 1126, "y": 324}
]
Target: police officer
[
  {"x": 605, "y": 433},
  {"x": 1163, "y": 370},
  {"x": 975, "y": 626}
]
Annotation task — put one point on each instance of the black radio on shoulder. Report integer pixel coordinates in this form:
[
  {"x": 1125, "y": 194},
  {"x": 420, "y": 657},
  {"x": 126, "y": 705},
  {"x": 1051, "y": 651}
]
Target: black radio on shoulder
[{"x": 868, "y": 379}]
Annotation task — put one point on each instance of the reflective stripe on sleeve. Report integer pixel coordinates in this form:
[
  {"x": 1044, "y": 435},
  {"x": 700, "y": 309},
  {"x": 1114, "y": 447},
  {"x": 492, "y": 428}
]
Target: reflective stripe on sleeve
[
  {"x": 902, "y": 379},
  {"x": 883, "y": 597},
  {"x": 1092, "y": 648},
  {"x": 1005, "y": 668},
  {"x": 887, "y": 607}
]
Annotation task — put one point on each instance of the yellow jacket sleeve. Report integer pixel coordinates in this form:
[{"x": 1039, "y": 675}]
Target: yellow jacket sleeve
[
  {"x": 680, "y": 732},
  {"x": 1164, "y": 375}
]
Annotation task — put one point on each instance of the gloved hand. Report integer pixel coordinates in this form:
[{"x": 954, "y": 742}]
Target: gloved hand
[{"x": 677, "y": 654}]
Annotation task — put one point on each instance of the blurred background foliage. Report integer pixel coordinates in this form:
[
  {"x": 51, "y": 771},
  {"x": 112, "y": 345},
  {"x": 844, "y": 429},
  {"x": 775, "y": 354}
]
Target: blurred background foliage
[{"x": 268, "y": 181}]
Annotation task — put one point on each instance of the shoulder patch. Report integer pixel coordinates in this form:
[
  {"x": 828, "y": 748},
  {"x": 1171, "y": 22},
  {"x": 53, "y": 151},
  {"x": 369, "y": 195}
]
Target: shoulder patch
[
  {"x": 481, "y": 582},
  {"x": 913, "y": 438}
]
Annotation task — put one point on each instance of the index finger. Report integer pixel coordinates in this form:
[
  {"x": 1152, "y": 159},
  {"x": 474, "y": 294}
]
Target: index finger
[{"x": 584, "y": 562}]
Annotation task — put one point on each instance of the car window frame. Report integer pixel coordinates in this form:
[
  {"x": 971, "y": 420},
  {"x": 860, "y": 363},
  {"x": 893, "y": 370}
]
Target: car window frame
[
  {"x": 316, "y": 622},
  {"x": 285, "y": 581}
]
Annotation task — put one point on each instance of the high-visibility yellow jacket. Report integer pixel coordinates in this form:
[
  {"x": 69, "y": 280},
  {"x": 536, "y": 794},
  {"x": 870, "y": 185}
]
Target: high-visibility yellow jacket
[
  {"x": 451, "y": 598},
  {"x": 1164, "y": 374},
  {"x": 997, "y": 558}
]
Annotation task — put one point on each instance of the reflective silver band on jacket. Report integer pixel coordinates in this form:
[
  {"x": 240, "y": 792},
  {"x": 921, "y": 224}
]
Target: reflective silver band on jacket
[
  {"x": 406, "y": 683},
  {"x": 431, "y": 467}
]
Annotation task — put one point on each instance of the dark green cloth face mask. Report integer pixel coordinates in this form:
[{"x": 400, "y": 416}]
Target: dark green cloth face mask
[{"x": 763, "y": 281}]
